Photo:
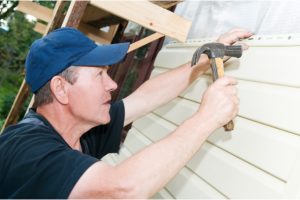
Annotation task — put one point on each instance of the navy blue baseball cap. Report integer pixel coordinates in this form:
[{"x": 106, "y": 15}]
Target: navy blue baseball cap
[{"x": 67, "y": 47}]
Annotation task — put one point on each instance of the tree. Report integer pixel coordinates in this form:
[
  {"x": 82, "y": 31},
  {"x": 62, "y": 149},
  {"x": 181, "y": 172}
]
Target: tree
[
  {"x": 7, "y": 7},
  {"x": 14, "y": 45}
]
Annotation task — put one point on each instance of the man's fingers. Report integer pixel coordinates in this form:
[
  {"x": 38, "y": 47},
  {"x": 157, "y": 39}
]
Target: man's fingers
[
  {"x": 242, "y": 34},
  {"x": 234, "y": 36}
]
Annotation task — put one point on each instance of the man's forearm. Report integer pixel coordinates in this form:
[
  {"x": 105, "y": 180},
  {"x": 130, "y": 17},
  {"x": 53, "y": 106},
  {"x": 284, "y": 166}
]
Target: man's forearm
[
  {"x": 160, "y": 90},
  {"x": 150, "y": 169}
]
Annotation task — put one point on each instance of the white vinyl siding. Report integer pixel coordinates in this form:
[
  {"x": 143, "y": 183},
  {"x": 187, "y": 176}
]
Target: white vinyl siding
[{"x": 260, "y": 158}]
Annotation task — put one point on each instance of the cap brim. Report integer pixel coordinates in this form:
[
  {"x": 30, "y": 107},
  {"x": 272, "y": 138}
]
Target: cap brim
[{"x": 103, "y": 55}]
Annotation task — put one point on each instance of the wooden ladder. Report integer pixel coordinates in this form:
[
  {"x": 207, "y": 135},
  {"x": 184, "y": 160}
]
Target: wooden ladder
[{"x": 90, "y": 17}]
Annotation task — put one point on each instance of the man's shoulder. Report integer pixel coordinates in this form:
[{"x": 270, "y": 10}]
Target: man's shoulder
[
  {"x": 26, "y": 130},
  {"x": 31, "y": 125},
  {"x": 28, "y": 137}
]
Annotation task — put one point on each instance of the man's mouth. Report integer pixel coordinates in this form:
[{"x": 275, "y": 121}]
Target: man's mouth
[{"x": 108, "y": 101}]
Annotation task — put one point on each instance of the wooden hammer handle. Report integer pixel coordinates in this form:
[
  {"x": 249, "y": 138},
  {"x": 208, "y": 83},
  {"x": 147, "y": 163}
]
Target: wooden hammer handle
[{"x": 220, "y": 71}]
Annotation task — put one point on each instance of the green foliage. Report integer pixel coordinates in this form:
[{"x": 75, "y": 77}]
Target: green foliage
[
  {"x": 48, "y": 4},
  {"x": 14, "y": 46},
  {"x": 7, "y": 7}
]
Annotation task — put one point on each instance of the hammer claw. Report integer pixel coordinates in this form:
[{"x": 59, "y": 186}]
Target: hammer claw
[{"x": 216, "y": 52}]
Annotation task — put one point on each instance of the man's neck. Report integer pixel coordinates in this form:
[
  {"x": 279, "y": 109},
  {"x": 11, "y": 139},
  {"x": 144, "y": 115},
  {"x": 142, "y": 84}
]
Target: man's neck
[{"x": 64, "y": 123}]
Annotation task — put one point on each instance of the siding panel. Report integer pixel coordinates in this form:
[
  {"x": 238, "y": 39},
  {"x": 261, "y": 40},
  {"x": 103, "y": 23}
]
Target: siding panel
[{"x": 261, "y": 157}]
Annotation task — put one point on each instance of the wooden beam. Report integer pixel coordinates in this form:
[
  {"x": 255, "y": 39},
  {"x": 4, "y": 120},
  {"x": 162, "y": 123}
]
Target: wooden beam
[
  {"x": 36, "y": 10},
  {"x": 93, "y": 13},
  {"x": 23, "y": 92},
  {"x": 112, "y": 31},
  {"x": 57, "y": 16},
  {"x": 56, "y": 20},
  {"x": 148, "y": 15},
  {"x": 106, "y": 21},
  {"x": 40, "y": 28},
  {"x": 166, "y": 4},
  {"x": 75, "y": 13},
  {"x": 95, "y": 34},
  {"x": 144, "y": 41}
]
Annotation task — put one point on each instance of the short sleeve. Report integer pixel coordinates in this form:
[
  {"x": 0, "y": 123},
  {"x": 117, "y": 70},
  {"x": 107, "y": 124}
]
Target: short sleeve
[
  {"x": 105, "y": 139},
  {"x": 43, "y": 167}
]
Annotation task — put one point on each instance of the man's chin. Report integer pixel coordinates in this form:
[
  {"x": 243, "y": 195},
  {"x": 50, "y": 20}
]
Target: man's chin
[{"x": 104, "y": 121}]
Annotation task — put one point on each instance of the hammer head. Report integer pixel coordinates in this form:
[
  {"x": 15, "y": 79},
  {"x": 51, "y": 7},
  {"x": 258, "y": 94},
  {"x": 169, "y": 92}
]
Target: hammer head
[{"x": 217, "y": 50}]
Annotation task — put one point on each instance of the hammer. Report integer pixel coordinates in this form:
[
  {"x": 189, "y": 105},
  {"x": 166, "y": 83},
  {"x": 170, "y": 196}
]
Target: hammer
[{"x": 216, "y": 52}]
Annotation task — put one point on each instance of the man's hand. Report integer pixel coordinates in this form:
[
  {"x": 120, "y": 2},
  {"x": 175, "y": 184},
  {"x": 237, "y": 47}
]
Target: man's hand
[
  {"x": 219, "y": 103},
  {"x": 234, "y": 36},
  {"x": 229, "y": 38}
]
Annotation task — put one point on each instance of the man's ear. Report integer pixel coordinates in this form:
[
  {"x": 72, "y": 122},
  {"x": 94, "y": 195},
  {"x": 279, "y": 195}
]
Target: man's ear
[{"x": 59, "y": 88}]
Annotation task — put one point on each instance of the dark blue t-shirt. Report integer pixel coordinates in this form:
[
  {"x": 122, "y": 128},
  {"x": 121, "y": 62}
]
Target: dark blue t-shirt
[{"x": 36, "y": 162}]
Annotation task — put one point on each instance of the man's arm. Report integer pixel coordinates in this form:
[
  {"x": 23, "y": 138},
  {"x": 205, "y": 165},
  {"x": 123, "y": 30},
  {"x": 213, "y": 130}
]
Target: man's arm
[
  {"x": 161, "y": 89},
  {"x": 166, "y": 86},
  {"x": 145, "y": 173}
]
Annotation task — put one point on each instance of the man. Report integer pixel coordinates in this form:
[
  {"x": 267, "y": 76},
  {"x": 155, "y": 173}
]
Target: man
[{"x": 54, "y": 151}]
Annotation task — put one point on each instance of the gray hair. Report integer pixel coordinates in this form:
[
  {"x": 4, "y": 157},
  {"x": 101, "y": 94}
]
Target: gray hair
[{"x": 44, "y": 95}]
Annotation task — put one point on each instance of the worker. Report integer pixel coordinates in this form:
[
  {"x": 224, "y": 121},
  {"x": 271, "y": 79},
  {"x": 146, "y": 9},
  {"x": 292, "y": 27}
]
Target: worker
[{"x": 56, "y": 150}]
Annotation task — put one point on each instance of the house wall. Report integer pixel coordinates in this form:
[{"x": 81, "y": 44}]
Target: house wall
[
  {"x": 260, "y": 158},
  {"x": 211, "y": 18}
]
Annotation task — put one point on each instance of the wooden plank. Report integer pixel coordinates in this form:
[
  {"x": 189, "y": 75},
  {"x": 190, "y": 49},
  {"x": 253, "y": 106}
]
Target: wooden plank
[
  {"x": 93, "y": 13},
  {"x": 36, "y": 10},
  {"x": 55, "y": 22},
  {"x": 75, "y": 13},
  {"x": 144, "y": 41},
  {"x": 172, "y": 25},
  {"x": 57, "y": 16},
  {"x": 112, "y": 31},
  {"x": 95, "y": 34},
  {"x": 40, "y": 28},
  {"x": 166, "y": 4}
]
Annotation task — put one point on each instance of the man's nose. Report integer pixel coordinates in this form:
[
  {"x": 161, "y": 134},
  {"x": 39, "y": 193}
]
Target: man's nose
[{"x": 110, "y": 85}]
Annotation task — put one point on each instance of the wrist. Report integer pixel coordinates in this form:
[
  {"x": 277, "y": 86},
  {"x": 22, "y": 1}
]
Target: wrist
[{"x": 207, "y": 123}]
